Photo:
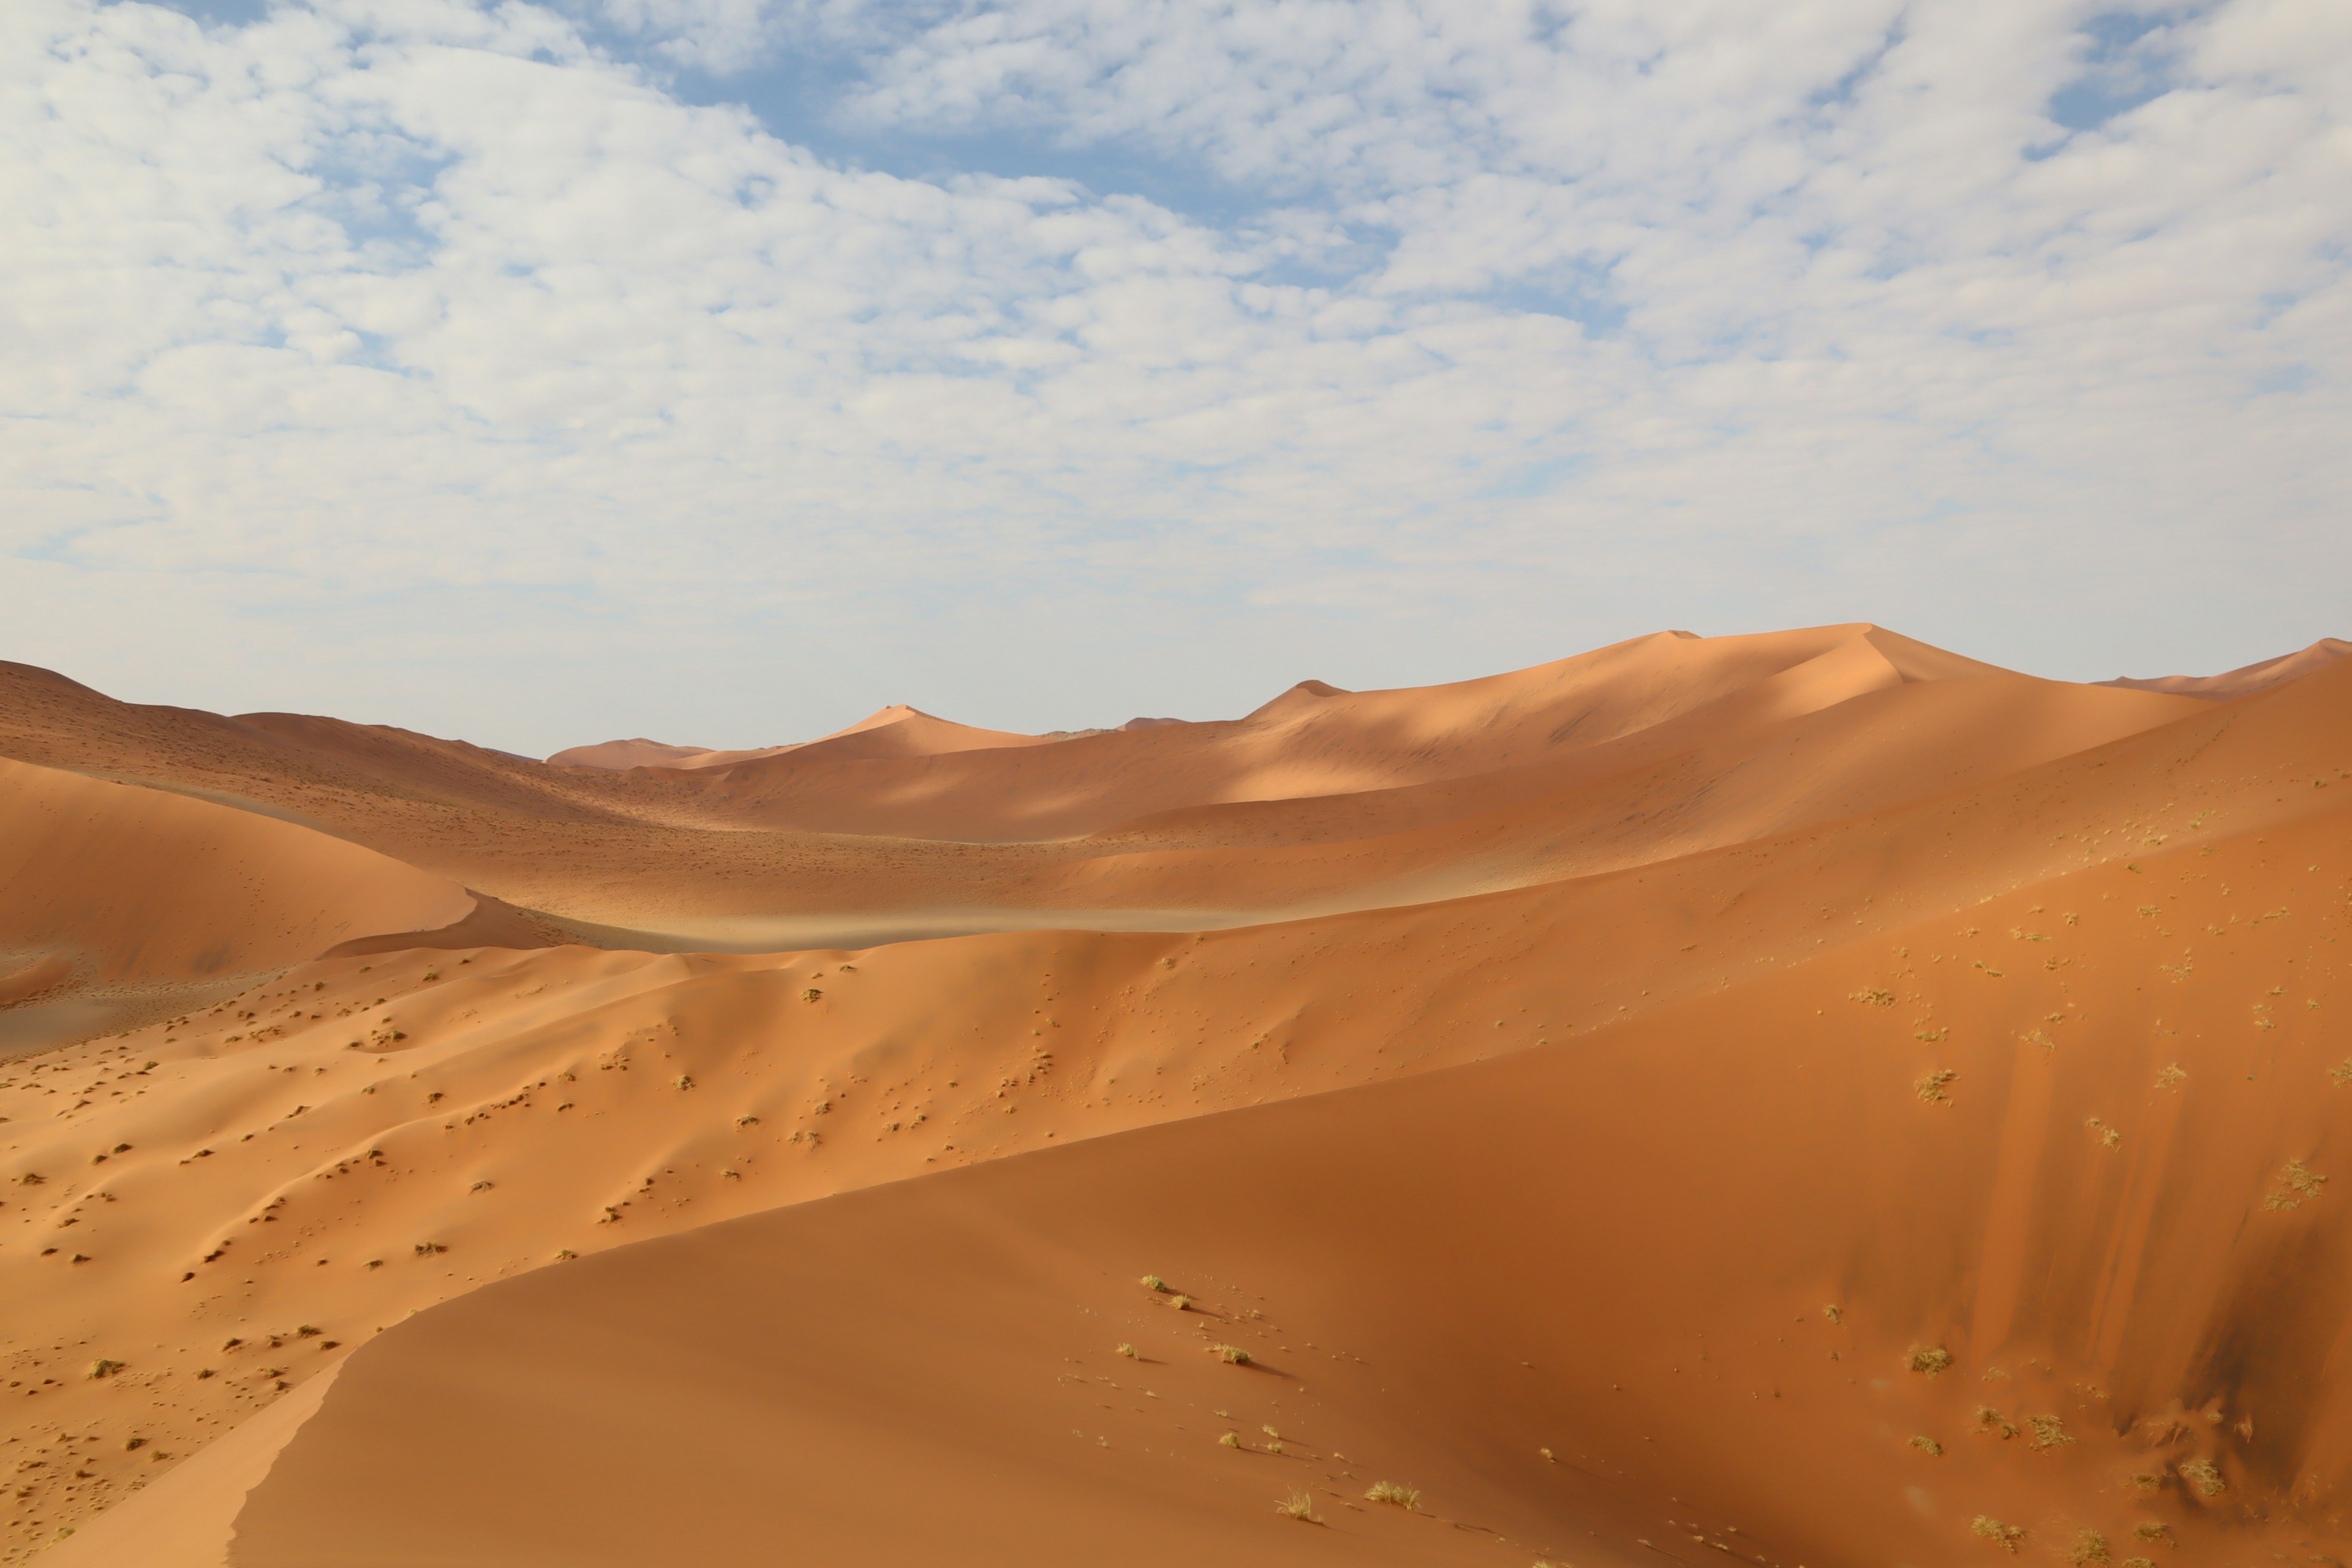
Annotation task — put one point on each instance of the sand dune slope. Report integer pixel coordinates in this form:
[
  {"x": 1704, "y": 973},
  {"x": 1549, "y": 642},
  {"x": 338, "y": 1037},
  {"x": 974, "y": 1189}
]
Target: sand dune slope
[
  {"x": 369, "y": 1135},
  {"x": 2247, "y": 679},
  {"x": 1317, "y": 740},
  {"x": 2021, "y": 1224},
  {"x": 1321, "y": 801},
  {"x": 117, "y": 901}
]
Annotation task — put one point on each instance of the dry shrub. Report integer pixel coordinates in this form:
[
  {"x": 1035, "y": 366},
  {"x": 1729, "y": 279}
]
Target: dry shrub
[{"x": 1927, "y": 1360}]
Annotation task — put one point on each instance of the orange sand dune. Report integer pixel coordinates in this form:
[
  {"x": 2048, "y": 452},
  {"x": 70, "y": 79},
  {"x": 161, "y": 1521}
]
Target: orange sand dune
[
  {"x": 118, "y": 902},
  {"x": 1953, "y": 1224},
  {"x": 1316, "y": 739},
  {"x": 1321, "y": 801},
  {"x": 455, "y": 1118},
  {"x": 621, "y": 755},
  {"x": 897, "y": 730},
  {"x": 2250, "y": 678}
]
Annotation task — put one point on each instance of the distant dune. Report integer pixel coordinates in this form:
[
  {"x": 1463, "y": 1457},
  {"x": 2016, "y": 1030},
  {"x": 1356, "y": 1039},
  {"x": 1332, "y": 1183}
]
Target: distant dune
[
  {"x": 897, "y": 730},
  {"x": 2249, "y": 678},
  {"x": 1808, "y": 1097}
]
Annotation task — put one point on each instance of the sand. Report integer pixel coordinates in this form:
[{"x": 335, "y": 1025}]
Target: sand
[{"x": 1821, "y": 970}]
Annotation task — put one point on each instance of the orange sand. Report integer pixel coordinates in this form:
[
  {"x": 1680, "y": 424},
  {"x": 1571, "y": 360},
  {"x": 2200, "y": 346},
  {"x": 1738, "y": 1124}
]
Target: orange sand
[{"x": 831, "y": 1253}]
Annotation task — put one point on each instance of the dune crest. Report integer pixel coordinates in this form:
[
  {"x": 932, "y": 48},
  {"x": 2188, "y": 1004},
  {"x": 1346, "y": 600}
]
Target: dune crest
[{"x": 2248, "y": 679}]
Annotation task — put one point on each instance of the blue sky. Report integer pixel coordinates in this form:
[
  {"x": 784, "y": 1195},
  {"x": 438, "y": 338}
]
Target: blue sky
[{"x": 721, "y": 370}]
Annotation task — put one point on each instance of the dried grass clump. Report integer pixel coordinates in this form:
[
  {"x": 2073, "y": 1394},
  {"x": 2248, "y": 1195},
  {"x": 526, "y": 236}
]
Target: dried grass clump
[
  {"x": 1231, "y": 1440},
  {"x": 2300, "y": 1181},
  {"x": 1180, "y": 1302},
  {"x": 1404, "y": 1497},
  {"x": 103, "y": 1368},
  {"x": 1231, "y": 1355},
  {"x": 1990, "y": 1420},
  {"x": 2201, "y": 1475},
  {"x": 1928, "y": 1360},
  {"x": 2090, "y": 1547},
  {"x": 1298, "y": 1506},
  {"x": 2049, "y": 1431},
  {"x": 2154, "y": 1529},
  {"x": 1153, "y": 1282},
  {"x": 2005, "y": 1536},
  {"x": 1929, "y": 1446},
  {"x": 1930, "y": 1086},
  {"x": 1129, "y": 1352}
]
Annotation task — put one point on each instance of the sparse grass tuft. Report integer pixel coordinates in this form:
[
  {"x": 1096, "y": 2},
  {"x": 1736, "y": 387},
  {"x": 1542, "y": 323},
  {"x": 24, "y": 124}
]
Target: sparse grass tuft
[
  {"x": 811, "y": 993},
  {"x": 1993, "y": 1421},
  {"x": 2154, "y": 1529},
  {"x": 2140, "y": 1563},
  {"x": 2341, "y": 1074},
  {"x": 2300, "y": 1182},
  {"x": 1180, "y": 1302},
  {"x": 1929, "y": 1446},
  {"x": 1153, "y": 1282},
  {"x": 2147, "y": 1481},
  {"x": 1930, "y": 1086},
  {"x": 1927, "y": 1360},
  {"x": 1231, "y": 1440},
  {"x": 1298, "y": 1506},
  {"x": 2049, "y": 1431},
  {"x": 2170, "y": 1075},
  {"x": 2090, "y": 1547},
  {"x": 2006, "y": 1536},
  {"x": 1231, "y": 1355},
  {"x": 1129, "y": 1352},
  {"x": 2201, "y": 1475},
  {"x": 103, "y": 1368},
  {"x": 1404, "y": 1497}
]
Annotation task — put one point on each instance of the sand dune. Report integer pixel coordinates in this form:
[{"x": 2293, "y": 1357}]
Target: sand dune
[
  {"x": 118, "y": 903},
  {"x": 1697, "y": 1259},
  {"x": 2249, "y": 678},
  {"x": 1321, "y": 801},
  {"x": 1672, "y": 993},
  {"x": 897, "y": 730}
]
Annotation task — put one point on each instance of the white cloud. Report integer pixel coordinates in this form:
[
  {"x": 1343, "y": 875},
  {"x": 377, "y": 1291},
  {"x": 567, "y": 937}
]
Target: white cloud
[{"x": 430, "y": 332}]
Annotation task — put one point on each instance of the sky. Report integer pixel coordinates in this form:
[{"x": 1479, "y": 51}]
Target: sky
[{"x": 721, "y": 370}]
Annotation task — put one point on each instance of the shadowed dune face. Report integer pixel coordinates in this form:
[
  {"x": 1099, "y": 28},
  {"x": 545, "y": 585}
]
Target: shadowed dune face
[
  {"x": 119, "y": 904},
  {"x": 1822, "y": 970}
]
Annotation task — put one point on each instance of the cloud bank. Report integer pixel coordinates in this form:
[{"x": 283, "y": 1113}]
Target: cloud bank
[{"x": 722, "y": 368}]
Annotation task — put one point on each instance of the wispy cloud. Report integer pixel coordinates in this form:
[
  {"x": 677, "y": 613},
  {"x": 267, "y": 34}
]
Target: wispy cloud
[{"x": 484, "y": 367}]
